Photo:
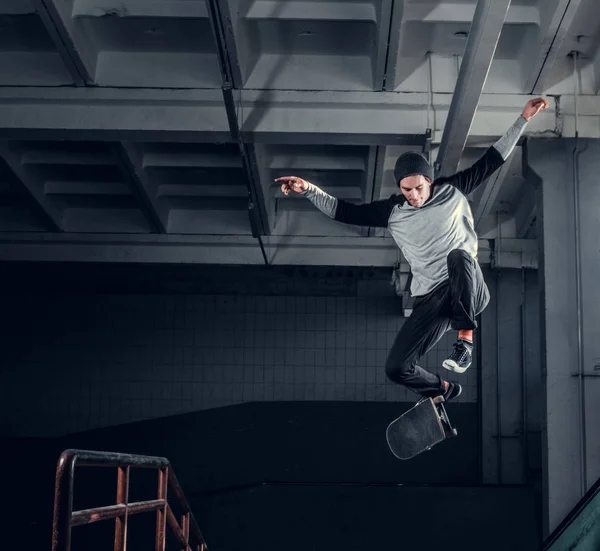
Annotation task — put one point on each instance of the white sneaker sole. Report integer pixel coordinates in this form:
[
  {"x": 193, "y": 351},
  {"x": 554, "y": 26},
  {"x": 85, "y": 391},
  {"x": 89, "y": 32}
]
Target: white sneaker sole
[{"x": 451, "y": 365}]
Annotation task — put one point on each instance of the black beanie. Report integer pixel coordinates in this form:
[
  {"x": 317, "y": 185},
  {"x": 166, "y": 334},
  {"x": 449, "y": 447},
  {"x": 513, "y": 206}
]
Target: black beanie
[{"x": 410, "y": 164}]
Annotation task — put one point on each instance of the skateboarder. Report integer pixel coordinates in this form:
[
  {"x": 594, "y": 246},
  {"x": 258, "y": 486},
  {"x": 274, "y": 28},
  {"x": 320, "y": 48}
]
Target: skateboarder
[{"x": 432, "y": 224}]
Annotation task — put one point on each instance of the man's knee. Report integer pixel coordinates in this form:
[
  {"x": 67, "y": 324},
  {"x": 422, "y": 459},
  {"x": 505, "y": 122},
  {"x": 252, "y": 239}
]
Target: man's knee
[
  {"x": 398, "y": 370},
  {"x": 484, "y": 301},
  {"x": 458, "y": 255}
]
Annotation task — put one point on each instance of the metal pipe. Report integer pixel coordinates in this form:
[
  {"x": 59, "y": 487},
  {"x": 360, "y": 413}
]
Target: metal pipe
[
  {"x": 578, "y": 285},
  {"x": 122, "y": 521},
  {"x": 63, "y": 501},
  {"x": 65, "y": 518},
  {"x": 87, "y": 458},
  {"x": 429, "y": 90},
  {"x": 254, "y": 206},
  {"x": 576, "y": 93},
  {"x": 478, "y": 351},
  {"x": 161, "y": 514},
  {"x": 177, "y": 531},
  {"x": 498, "y": 402},
  {"x": 89, "y": 516},
  {"x": 524, "y": 380},
  {"x": 430, "y": 123}
]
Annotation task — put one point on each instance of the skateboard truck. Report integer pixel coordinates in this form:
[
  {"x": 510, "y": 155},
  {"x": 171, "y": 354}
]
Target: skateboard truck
[{"x": 449, "y": 430}]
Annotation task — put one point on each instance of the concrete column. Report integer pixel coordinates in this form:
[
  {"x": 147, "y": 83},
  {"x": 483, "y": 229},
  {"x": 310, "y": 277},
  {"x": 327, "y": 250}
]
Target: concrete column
[
  {"x": 510, "y": 378},
  {"x": 568, "y": 195}
]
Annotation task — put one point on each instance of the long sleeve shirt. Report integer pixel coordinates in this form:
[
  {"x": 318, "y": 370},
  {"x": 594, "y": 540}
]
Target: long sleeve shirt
[{"x": 426, "y": 235}]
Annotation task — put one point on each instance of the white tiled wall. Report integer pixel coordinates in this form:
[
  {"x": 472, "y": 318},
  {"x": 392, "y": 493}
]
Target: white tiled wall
[{"x": 73, "y": 363}]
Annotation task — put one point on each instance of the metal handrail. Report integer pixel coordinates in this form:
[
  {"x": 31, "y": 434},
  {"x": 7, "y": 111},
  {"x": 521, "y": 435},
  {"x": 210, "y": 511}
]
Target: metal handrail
[{"x": 187, "y": 533}]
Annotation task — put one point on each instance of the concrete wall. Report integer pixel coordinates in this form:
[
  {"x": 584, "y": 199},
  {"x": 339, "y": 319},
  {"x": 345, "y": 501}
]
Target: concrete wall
[
  {"x": 100, "y": 355},
  {"x": 565, "y": 174},
  {"x": 124, "y": 345}
]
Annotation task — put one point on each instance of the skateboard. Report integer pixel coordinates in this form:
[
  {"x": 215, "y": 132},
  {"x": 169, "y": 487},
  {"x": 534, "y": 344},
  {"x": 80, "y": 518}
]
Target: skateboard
[{"x": 420, "y": 428}]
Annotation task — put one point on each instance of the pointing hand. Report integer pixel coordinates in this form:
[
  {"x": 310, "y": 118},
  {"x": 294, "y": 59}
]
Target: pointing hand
[{"x": 292, "y": 183}]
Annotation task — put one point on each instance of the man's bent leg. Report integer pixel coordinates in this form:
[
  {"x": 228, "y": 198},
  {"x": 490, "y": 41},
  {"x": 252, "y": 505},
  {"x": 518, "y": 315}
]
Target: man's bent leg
[
  {"x": 426, "y": 325},
  {"x": 469, "y": 296}
]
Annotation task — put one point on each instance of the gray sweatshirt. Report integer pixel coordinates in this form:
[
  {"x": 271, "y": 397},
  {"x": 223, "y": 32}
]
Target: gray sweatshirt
[{"x": 427, "y": 234}]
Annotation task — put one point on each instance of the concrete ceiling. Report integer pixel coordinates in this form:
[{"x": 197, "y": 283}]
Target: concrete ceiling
[{"x": 152, "y": 130}]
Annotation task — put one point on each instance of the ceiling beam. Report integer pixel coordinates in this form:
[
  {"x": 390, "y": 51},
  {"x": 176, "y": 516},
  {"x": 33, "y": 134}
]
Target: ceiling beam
[
  {"x": 479, "y": 53},
  {"x": 490, "y": 192},
  {"x": 378, "y": 178},
  {"x": 431, "y": 11},
  {"x": 384, "y": 28},
  {"x": 368, "y": 118},
  {"x": 373, "y": 178},
  {"x": 181, "y": 159},
  {"x": 233, "y": 190},
  {"x": 179, "y": 9},
  {"x": 557, "y": 16},
  {"x": 63, "y": 41},
  {"x": 33, "y": 187},
  {"x": 74, "y": 187},
  {"x": 258, "y": 212},
  {"x": 312, "y": 10},
  {"x": 322, "y": 159},
  {"x": 207, "y": 249},
  {"x": 130, "y": 160},
  {"x": 371, "y": 186},
  {"x": 392, "y": 60},
  {"x": 376, "y": 118},
  {"x": 58, "y": 156},
  {"x": 112, "y": 114}
]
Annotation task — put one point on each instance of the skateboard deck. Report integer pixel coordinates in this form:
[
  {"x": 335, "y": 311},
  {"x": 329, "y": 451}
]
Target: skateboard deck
[{"x": 419, "y": 429}]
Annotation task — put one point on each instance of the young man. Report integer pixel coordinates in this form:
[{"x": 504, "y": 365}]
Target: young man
[{"x": 432, "y": 223}]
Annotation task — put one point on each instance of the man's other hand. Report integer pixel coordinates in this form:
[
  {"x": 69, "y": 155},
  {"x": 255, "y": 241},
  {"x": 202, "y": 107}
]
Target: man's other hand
[{"x": 533, "y": 107}]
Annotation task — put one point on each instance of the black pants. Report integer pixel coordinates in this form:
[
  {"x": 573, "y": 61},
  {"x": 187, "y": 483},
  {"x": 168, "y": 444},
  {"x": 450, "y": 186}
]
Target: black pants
[{"x": 453, "y": 304}]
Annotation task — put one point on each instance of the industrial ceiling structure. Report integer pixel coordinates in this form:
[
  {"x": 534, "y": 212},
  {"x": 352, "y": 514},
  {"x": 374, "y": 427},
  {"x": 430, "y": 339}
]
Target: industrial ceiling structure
[{"x": 153, "y": 130}]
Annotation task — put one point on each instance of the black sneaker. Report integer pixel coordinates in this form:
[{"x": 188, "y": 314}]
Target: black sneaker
[
  {"x": 454, "y": 391},
  {"x": 460, "y": 359}
]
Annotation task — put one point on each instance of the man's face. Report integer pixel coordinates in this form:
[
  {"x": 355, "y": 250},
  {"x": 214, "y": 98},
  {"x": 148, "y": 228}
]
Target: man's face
[{"x": 416, "y": 189}]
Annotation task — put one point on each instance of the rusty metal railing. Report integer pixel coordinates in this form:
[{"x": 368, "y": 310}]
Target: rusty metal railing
[{"x": 187, "y": 533}]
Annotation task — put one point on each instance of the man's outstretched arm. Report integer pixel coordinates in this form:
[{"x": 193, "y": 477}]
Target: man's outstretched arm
[
  {"x": 470, "y": 179},
  {"x": 373, "y": 214}
]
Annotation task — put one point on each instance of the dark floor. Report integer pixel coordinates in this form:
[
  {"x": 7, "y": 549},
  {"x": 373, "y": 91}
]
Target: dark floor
[{"x": 291, "y": 475}]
